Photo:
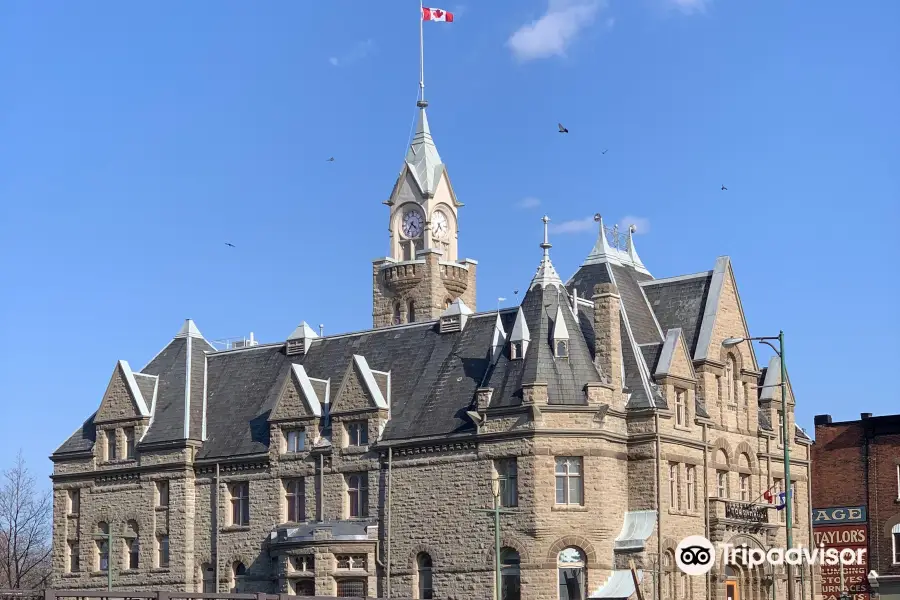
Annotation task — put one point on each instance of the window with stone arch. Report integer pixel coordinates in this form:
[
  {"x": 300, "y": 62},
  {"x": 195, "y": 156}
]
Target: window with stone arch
[
  {"x": 562, "y": 349},
  {"x": 132, "y": 545},
  {"x": 572, "y": 572},
  {"x": 398, "y": 317},
  {"x": 668, "y": 574},
  {"x": 101, "y": 554},
  {"x": 238, "y": 571},
  {"x": 411, "y": 312},
  {"x": 510, "y": 574},
  {"x": 423, "y": 586},
  {"x": 207, "y": 579}
]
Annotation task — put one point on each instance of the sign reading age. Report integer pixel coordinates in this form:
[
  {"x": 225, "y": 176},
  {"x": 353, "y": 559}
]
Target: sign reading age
[{"x": 839, "y": 515}]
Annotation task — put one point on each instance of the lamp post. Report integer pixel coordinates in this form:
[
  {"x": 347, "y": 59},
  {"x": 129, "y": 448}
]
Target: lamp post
[
  {"x": 497, "y": 511},
  {"x": 789, "y": 499}
]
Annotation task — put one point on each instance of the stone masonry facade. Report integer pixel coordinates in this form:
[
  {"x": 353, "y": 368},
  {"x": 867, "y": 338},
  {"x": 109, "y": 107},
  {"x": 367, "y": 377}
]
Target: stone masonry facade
[{"x": 605, "y": 413}]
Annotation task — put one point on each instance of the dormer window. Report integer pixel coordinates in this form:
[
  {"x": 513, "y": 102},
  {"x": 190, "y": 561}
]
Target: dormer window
[
  {"x": 111, "y": 444},
  {"x": 295, "y": 440},
  {"x": 562, "y": 349},
  {"x": 515, "y": 350},
  {"x": 357, "y": 433}
]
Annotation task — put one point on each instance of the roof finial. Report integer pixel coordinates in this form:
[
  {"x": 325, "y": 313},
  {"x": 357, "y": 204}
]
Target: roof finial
[
  {"x": 546, "y": 245},
  {"x": 421, "y": 103}
]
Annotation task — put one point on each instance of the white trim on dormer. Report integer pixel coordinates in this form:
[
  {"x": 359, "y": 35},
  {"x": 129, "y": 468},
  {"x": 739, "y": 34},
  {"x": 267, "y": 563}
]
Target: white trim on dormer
[
  {"x": 133, "y": 387},
  {"x": 387, "y": 375},
  {"x": 560, "y": 331},
  {"x": 498, "y": 341},
  {"x": 187, "y": 390},
  {"x": 369, "y": 380},
  {"x": 205, "y": 372},
  {"x": 306, "y": 386}
]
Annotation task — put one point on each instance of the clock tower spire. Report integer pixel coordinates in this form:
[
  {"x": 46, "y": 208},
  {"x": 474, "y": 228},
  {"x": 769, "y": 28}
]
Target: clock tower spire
[{"x": 422, "y": 274}]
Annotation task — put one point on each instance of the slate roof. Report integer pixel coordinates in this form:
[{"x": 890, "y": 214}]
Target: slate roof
[{"x": 680, "y": 302}]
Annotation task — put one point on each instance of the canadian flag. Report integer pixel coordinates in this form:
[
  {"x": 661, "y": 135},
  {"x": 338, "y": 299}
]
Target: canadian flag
[{"x": 436, "y": 14}]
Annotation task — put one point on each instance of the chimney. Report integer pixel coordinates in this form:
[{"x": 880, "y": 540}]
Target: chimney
[
  {"x": 608, "y": 334},
  {"x": 865, "y": 416},
  {"x": 822, "y": 420}
]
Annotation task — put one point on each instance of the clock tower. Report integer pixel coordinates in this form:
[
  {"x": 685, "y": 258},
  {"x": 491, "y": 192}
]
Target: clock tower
[{"x": 422, "y": 274}]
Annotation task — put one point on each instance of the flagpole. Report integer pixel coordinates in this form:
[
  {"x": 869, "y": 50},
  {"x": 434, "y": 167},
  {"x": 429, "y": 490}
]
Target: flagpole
[{"x": 421, "y": 53}]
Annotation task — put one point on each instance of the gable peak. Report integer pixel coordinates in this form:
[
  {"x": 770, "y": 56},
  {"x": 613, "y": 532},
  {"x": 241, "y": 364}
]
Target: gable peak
[{"x": 189, "y": 330}]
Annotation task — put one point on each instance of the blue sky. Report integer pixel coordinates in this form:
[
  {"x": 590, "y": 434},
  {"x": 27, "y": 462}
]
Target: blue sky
[{"x": 137, "y": 138}]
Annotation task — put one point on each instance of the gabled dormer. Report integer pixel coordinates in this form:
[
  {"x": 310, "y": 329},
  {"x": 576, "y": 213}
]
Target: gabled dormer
[
  {"x": 300, "y": 340},
  {"x": 361, "y": 406},
  {"x": 124, "y": 414},
  {"x": 498, "y": 339},
  {"x": 297, "y": 418},
  {"x": 560, "y": 335},
  {"x": 519, "y": 338}
]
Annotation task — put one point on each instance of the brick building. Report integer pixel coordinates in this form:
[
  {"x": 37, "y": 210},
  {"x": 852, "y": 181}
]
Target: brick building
[
  {"x": 856, "y": 471},
  {"x": 607, "y": 408}
]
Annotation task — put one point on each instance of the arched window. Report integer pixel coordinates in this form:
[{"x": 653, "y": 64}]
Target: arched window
[
  {"x": 509, "y": 574},
  {"x": 132, "y": 544},
  {"x": 411, "y": 313},
  {"x": 570, "y": 564},
  {"x": 722, "y": 457},
  {"x": 424, "y": 582},
  {"x": 238, "y": 570},
  {"x": 562, "y": 349},
  {"x": 729, "y": 382},
  {"x": 515, "y": 350},
  {"x": 398, "y": 318},
  {"x": 208, "y": 579},
  {"x": 668, "y": 574}
]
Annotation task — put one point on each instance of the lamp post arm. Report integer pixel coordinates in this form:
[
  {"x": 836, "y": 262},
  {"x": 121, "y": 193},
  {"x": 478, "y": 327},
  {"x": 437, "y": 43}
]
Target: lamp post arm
[{"x": 770, "y": 345}]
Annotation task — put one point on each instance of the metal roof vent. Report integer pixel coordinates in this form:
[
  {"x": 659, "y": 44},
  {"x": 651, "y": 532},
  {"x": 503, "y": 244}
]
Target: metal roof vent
[{"x": 454, "y": 318}]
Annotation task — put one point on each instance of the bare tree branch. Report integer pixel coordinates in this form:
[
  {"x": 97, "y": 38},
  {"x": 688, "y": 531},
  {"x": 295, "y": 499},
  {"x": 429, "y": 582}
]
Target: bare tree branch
[{"x": 25, "y": 517}]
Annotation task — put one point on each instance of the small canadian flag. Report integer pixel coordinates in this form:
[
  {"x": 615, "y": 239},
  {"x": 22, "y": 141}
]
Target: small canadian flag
[{"x": 436, "y": 14}]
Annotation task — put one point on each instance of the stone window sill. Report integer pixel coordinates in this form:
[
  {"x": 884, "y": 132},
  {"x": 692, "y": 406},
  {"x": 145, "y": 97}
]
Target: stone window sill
[
  {"x": 162, "y": 508},
  {"x": 356, "y": 449},
  {"x": 129, "y": 572},
  {"x": 72, "y": 575},
  {"x": 683, "y": 513},
  {"x": 118, "y": 462},
  {"x": 289, "y": 456},
  {"x": 569, "y": 508},
  {"x": 99, "y": 573},
  {"x": 73, "y": 515},
  {"x": 682, "y": 428},
  {"x": 234, "y": 528},
  {"x": 159, "y": 570}
]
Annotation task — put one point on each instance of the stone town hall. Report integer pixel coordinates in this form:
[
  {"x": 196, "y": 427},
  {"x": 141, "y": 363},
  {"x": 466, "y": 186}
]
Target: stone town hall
[{"x": 354, "y": 464}]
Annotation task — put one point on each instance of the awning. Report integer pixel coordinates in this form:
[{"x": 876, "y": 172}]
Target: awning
[
  {"x": 638, "y": 526},
  {"x": 620, "y": 585}
]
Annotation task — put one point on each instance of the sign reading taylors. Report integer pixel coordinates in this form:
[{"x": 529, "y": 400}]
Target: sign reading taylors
[
  {"x": 831, "y": 529},
  {"x": 841, "y": 536},
  {"x": 741, "y": 511},
  {"x": 839, "y": 515}
]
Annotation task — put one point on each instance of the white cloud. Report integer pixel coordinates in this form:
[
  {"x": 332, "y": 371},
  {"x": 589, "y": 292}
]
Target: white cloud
[
  {"x": 642, "y": 224},
  {"x": 555, "y": 29},
  {"x": 574, "y": 226},
  {"x": 689, "y": 6},
  {"x": 529, "y": 202},
  {"x": 359, "y": 51}
]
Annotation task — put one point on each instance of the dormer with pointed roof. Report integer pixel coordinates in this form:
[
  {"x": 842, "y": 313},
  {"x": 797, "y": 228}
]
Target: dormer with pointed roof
[
  {"x": 454, "y": 318},
  {"x": 520, "y": 337},
  {"x": 299, "y": 341},
  {"x": 560, "y": 334}
]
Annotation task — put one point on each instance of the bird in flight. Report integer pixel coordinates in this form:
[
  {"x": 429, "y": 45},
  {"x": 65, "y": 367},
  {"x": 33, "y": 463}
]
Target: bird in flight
[
  {"x": 724, "y": 188},
  {"x": 562, "y": 129},
  {"x": 605, "y": 151},
  {"x": 229, "y": 244},
  {"x": 330, "y": 159}
]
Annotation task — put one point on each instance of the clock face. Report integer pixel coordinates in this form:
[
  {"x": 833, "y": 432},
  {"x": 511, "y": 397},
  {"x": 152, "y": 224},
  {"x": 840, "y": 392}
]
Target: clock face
[
  {"x": 413, "y": 224},
  {"x": 440, "y": 226}
]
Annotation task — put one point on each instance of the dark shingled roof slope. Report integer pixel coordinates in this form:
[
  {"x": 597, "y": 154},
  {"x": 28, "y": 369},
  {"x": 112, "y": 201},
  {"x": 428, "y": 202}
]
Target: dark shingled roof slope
[
  {"x": 680, "y": 303},
  {"x": 80, "y": 441},
  {"x": 565, "y": 377},
  {"x": 640, "y": 317}
]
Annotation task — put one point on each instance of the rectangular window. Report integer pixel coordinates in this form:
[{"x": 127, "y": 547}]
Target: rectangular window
[
  {"x": 162, "y": 548},
  {"x": 673, "y": 486},
  {"x": 895, "y": 536},
  {"x": 745, "y": 488},
  {"x": 110, "y": 444},
  {"x": 296, "y": 440},
  {"x": 351, "y": 588},
  {"x": 357, "y": 433},
  {"x": 240, "y": 503},
  {"x": 358, "y": 495},
  {"x": 778, "y": 487},
  {"x": 722, "y": 484},
  {"x": 680, "y": 407},
  {"x": 102, "y": 555},
  {"x": 898, "y": 482},
  {"x": 129, "y": 443},
  {"x": 134, "y": 552},
  {"x": 692, "y": 488},
  {"x": 569, "y": 481},
  {"x": 295, "y": 498},
  {"x": 352, "y": 561},
  {"x": 74, "y": 504},
  {"x": 794, "y": 502},
  {"x": 162, "y": 493},
  {"x": 780, "y": 428},
  {"x": 73, "y": 562},
  {"x": 507, "y": 472}
]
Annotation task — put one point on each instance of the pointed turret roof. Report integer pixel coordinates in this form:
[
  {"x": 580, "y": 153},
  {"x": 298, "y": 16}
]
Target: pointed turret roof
[
  {"x": 615, "y": 254},
  {"x": 422, "y": 157},
  {"x": 303, "y": 330},
  {"x": 546, "y": 275}
]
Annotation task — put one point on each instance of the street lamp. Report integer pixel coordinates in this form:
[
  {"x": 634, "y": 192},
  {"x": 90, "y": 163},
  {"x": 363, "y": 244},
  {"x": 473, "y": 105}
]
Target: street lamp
[
  {"x": 497, "y": 511},
  {"x": 789, "y": 512}
]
